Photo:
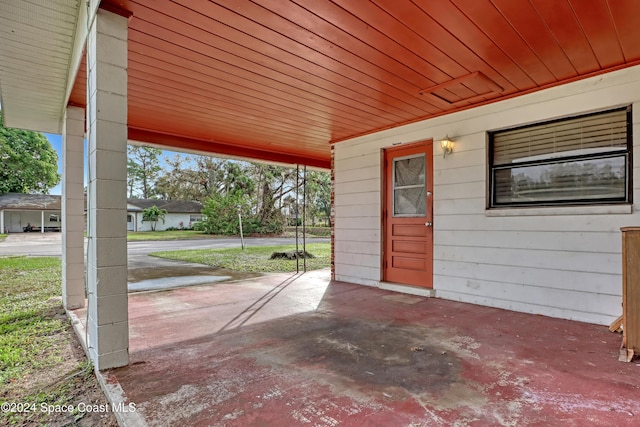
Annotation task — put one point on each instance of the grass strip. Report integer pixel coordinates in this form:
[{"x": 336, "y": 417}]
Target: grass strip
[{"x": 253, "y": 259}]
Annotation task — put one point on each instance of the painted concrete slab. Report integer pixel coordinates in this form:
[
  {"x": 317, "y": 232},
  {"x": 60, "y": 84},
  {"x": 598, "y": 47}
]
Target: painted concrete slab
[
  {"x": 301, "y": 350},
  {"x": 174, "y": 282}
]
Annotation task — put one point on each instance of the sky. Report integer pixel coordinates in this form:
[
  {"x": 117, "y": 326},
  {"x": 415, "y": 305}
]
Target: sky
[{"x": 56, "y": 142}]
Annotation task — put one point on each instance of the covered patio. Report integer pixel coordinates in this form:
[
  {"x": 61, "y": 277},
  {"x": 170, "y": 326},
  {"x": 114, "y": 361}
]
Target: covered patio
[
  {"x": 303, "y": 350},
  {"x": 337, "y": 84}
]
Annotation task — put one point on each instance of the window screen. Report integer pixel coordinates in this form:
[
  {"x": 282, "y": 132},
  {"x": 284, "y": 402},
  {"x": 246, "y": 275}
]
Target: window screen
[
  {"x": 409, "y": 186},
  {"x": 582, "y": 160}
]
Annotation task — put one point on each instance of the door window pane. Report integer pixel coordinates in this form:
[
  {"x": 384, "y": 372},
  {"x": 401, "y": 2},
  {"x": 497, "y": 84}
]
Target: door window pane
[
  {"x": 409, "y": 186},
  {"x": 410, "y": 202},
  {"x": 409, "y": 171}
]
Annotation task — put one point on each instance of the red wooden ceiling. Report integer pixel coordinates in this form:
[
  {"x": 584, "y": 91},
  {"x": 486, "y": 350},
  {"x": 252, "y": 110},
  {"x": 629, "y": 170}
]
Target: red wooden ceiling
[{"x": 281, "y": 80}]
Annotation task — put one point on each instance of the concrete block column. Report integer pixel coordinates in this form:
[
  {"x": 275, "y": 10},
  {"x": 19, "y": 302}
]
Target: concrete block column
[
  {"x": 73, "y": 293},
  {"x": 108, "y": 321},
  {"x": 332, "y": 215}
]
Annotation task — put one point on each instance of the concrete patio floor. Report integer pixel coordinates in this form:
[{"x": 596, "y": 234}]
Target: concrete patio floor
[{"x": 298, "y": 350}]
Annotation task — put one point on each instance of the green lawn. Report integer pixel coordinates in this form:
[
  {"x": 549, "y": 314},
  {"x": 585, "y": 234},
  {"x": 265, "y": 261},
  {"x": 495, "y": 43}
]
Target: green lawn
[
  {"x": 2, "y": 237},
  {"x": 254, "y": 259},
  {"x": 41, "y": 361},
  {"x": 30, "y": 316}
]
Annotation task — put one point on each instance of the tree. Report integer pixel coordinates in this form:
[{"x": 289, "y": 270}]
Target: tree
[
  {"x": 319, "y": 195},
  {"x": 200, "y": 177},
  {"x": 29, "y": 162},
  {"x": 179, "y": 181},
  {"x": 153, "y": 215},
  {"x": 274, "y": 184},
  {"x": 143, "y": 167}
]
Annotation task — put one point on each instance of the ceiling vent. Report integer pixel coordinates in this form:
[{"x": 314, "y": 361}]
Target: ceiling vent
[{"x": 479, "y": 86}]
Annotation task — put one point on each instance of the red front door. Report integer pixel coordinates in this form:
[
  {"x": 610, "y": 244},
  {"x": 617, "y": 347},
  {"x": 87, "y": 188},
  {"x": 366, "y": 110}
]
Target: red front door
[{"x": 408, "y": 214}]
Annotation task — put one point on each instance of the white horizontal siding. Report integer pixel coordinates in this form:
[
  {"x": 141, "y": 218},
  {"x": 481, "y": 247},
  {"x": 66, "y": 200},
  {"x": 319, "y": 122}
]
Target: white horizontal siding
[
  {"x": 532, "y": 240},
  {"x": 470, "y": 205},
  {"x": 357, "y": 237},
  {"x": 353, "y": 199},
  {"x": 590, "y": 282},
  {"x": 357, "y": 223},
  {"x": 608, "y": 263},
  {"x": 170, "y": 220},
  {"x": 558, "y": 262},
  {"x": 460, "y": 175},
  {"x": 459, "y": 191},
  {"x": 362, "y": 186},
  {"x": 359, "y": 210},
  {"x": 364, "y": 276},
  {"x": 592, "y": 308},
  {"x": 349, "y": 247},
  {"x": 559, "y": 223},
  {"x": 360, "y": 174}
]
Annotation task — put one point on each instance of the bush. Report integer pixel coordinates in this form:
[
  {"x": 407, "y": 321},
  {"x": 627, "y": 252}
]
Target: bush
[
  {"x": 221, "y": 213},
  {"x": 272, "y": 227},
  {"x": 316, "y": 231}
]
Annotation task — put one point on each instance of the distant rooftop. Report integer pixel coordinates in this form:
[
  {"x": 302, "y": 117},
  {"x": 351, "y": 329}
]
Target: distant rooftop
[
  {"x": 30, "y": 201},
  {"x": 171, "y": 206},
  {"x": 19, "y": 201}
]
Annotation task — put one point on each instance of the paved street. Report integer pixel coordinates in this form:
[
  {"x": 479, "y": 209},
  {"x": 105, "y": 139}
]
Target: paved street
[{"x": 49, "y": 244}]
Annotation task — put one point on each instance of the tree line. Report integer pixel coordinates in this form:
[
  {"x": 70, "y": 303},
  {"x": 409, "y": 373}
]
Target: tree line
[{"x": 265, "y": 195}]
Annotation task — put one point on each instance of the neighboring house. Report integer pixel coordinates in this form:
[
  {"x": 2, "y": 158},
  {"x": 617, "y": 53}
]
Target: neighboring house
[
  {"x": 28, "y": 212},
  {"x": 19, "y": 211},
  {"x": 180, "y": 214}
]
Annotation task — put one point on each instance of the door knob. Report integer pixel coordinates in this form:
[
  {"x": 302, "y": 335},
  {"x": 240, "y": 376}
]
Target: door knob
[{"x": 428, "y": 223}]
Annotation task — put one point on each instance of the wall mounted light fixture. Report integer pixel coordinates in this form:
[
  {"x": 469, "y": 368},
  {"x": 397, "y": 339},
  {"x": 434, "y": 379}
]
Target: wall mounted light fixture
[{"x": 447, "y": 146}]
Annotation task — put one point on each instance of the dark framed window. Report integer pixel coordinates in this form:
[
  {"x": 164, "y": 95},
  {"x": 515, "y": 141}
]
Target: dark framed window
[{"x": 582, "y": 160}]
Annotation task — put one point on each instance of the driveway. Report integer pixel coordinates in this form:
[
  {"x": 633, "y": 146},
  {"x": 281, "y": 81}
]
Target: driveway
[{"x": 31, "y": 244}]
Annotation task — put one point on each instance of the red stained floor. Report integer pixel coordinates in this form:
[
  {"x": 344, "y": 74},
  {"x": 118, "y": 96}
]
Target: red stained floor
[{"x": 300, "y": 351}]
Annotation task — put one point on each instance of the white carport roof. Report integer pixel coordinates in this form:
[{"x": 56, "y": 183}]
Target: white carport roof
[{"x": 40, "y": 59}]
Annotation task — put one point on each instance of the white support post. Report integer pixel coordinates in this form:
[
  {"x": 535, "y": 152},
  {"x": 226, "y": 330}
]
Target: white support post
[
  {"x": 2, "y": 227},
  {"x": 41, "y": 222},
  {"x": 108, "y": 321},
  {"x": 73, "y": 292}
]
